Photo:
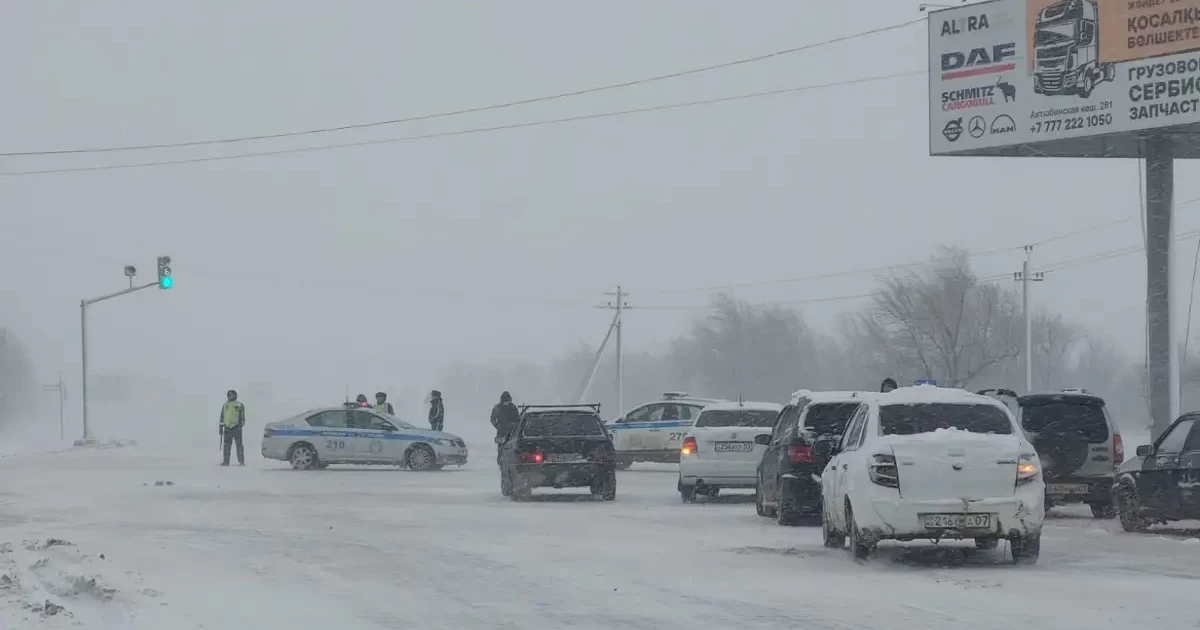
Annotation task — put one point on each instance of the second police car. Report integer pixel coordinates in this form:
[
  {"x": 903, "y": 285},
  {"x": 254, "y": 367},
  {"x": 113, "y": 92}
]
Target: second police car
[
  {"x": 654, "y": 431},
  {"x": 349, "y": 434}
]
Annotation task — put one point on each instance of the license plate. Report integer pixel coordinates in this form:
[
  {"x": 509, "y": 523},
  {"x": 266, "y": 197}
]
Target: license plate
[
  {"x": 564, "y": 458},
  {"x": 1068, "y": 488},
  {"x": 957, "y": 521},
  {"x": 733, "y": 447}
]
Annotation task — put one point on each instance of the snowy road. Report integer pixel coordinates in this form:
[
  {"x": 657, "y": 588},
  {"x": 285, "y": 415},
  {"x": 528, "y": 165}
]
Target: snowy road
[{"x": 265, "y": 547}]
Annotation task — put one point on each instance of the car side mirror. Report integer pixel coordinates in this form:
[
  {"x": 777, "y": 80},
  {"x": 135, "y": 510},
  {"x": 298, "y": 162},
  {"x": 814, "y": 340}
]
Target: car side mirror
[
  {"x": 762, "y": 439},
  {"x": 500, "y": 439},
  {"x": 1144, "y": 450}
]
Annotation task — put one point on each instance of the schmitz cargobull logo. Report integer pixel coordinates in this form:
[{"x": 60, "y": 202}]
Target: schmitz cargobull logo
[{"x": 966, "y": 98}]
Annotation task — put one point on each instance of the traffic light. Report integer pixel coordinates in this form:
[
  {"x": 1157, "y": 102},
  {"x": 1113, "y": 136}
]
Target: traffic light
[{"x": 165, "y": 281}]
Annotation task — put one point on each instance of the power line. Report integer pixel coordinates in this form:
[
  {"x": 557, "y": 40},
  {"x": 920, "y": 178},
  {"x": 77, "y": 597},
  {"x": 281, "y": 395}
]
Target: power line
[
  {"x": 472, "y": 110},
  {"x": 1110, "y": 254},
  {"x": 468, "y": 131}
]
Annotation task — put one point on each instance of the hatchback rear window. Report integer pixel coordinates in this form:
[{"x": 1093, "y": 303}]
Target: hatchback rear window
[
  {"x": 1081, "y": 415},
  {"x": 738, "y": 418},
  {"x": 929, "y": 417},
  {"x": 561, "y": 424},
  {"x": 829, "y": 418}
]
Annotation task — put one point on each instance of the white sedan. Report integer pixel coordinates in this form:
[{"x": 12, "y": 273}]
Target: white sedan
[
  {"x": 930, "y": 463},
  {"x": 719, "y": 451},
  {"x": 359, "y": 435}
]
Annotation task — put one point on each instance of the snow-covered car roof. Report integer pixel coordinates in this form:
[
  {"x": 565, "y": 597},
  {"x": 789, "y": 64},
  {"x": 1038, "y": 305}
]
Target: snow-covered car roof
[
  {"x": 562, "y": 409},
  {"x": 828, "y": 397},
  {"x": 918, "y": 394},
  {"x": 751, "y": 405}
]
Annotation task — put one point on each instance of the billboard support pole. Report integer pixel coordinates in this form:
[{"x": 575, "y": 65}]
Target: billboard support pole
[{"x": 1162, "y": 380}]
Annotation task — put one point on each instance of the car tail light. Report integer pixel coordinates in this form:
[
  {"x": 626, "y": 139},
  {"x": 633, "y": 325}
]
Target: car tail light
[
  {"x": 689, "y": 446},
  {"x": 535, "y": 457},
  {"x": 800, "y": 454},
  {"x": 1026, "y": 470},
  {"x": 883, "y": 472},
  {"x": 1118, "y": 449}
]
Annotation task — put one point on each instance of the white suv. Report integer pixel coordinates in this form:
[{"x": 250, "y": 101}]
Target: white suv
[{"x": 930, "y": 463}]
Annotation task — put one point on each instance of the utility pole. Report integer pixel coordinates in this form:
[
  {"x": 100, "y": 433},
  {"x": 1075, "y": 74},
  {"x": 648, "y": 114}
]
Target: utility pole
[
  {"x": 61, "y": 388},
  {"x": 165, "y": 281},
  {"x": 619, "y": 305},
  {"x": 1025, "y": 276}
]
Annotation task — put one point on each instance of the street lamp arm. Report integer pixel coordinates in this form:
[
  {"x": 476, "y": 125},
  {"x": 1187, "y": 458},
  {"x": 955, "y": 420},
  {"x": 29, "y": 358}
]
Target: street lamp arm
[{"x": 117, "y": 294}]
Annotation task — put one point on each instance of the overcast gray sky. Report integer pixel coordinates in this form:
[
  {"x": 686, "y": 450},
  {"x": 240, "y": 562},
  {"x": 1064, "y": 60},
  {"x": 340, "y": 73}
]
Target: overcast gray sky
[{"x": 377, "y": 265}]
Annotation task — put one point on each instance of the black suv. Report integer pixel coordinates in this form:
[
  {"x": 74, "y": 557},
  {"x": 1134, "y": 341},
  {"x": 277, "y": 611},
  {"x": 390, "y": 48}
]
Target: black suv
[
  {"x": 558, "y": 446},
  {"x": 1163, "y": 482},
  {"x": 798, "y": 449},
  {"x": 1078, "y": 444}
]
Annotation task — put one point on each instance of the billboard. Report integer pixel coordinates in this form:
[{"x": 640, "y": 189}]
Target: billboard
[{"x": 1020, "y": 72}]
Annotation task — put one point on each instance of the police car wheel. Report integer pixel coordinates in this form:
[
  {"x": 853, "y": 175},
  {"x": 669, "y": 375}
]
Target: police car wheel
[
  {"x": 303, "y": 457},
  {"x": 420, "y": 458}
]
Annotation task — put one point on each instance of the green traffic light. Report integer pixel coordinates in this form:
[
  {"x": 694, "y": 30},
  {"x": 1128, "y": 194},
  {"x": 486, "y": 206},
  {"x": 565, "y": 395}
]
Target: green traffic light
[{"x": 166, "y": 282}]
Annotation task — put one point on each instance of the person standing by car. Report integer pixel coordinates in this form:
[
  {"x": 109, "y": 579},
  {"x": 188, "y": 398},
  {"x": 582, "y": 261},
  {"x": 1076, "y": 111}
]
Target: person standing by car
[
  {"x": 233, "y": 418},
  {"x": 888, "y": 385},
  {"x": 437, "y": 411},
  {"x": 382, "y": 404},
  {"x": 505, "y": 417}
]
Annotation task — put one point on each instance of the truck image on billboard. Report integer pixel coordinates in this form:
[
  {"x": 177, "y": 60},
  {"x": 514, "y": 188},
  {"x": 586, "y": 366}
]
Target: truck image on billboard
[{"x": 1017, "y": 73}]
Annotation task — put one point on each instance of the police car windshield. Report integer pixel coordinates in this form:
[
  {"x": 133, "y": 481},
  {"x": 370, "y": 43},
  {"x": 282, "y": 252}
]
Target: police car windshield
[
  {"x": 737, "y": 418},
  {"x": 829, "y": 418},
  {"x": 558, "y": 424},
  {"x": 929, "y": 417}
]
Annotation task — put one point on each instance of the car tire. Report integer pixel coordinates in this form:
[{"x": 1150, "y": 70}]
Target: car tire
[
  {"x": 758, "y": 503},
  {"x": 420, "y": 458},
  {"x": 1103, "y": 510},
  {"x": 787, "y": 514},
  {"x": 604, "y": 485},
  {"x": 1129, "y": 510},
  {"x": 1026, "y": 549},
  {"x": 861, "y": 547},
  {"x": 303, "y": 457},
  {"x": 520, "y": 488},
  {"x": 505, "y": 484},
  {"x": 987, "y": 544},
  {"x": 687, "y": 493},
  {"x": 833, "y": 539}
]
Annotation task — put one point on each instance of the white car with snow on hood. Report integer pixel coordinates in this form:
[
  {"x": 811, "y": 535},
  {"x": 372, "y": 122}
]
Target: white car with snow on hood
[
  {"x": 719, "y": 451},
  {"x": 350, "y": 434},
  {"x": 930, "y": 463}
]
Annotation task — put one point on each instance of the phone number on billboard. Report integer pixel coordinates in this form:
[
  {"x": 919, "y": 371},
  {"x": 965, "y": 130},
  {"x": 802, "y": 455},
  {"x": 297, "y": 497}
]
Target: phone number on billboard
[{"x": 1071, "y": 124}]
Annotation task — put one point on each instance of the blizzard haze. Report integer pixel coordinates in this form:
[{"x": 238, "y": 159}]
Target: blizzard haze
[{"x": 378, "y": 267}]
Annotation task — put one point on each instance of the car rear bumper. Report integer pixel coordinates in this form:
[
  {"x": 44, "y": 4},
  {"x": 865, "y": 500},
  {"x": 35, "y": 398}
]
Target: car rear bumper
[
  {"x": 699, "y": 471},
  {"x": 896, "y": 518},
  {"x": 803, "y": 492},
  {"x": 560, "y": 475},
  {"x": 1071, "y": 490}
]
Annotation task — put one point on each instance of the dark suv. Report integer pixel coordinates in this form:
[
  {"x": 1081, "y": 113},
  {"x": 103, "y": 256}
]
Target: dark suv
[
  {"x": 1163, "y": 482},
  {"x": 789, "y": 475},
  {"x": 559, "y": 446},
  {"x": 1078, "y": 444}
]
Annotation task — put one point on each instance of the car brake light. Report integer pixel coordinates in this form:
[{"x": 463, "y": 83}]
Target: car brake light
[
  {"x": 800, "y": 454},
  {"x": 1118, "y": 450},
  {"x": 535, "y": 457},
  {"x": 883, "y": 472},
  {"x": 689, "y": 446}
]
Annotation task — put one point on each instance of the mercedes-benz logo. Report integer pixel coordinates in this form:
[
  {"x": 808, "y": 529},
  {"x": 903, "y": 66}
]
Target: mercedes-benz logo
[{"x": 977, "y": 127}]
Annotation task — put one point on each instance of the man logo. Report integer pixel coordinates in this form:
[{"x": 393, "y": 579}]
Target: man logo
[
  {"x": 1003, "y": 124},
  {"x": 953, "y": 129}
]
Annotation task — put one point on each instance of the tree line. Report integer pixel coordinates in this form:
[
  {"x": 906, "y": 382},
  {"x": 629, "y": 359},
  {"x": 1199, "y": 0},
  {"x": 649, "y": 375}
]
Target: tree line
[{"x": 939, "y": 321}]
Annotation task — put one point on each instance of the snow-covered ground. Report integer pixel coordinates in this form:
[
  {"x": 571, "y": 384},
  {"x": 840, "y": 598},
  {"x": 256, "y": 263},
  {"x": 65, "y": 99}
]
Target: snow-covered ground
[{"x": 130, "y": 538}]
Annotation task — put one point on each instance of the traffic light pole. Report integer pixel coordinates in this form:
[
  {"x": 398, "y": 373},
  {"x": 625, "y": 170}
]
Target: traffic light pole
[{"x": 83, "y": 304}]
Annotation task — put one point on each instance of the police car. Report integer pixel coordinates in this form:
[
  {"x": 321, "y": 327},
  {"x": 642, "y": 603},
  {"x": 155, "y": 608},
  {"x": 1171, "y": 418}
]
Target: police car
[
  {"x": 350, "y": 434},
  {"x": 653, "y": 432}
]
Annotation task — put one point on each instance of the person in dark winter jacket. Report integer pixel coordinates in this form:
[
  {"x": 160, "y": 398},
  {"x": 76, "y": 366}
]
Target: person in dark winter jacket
[
  {"x": 437, "y": 411},
  {"x": 888, "y": 385},
  {"x": 505, "y": 417}
]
